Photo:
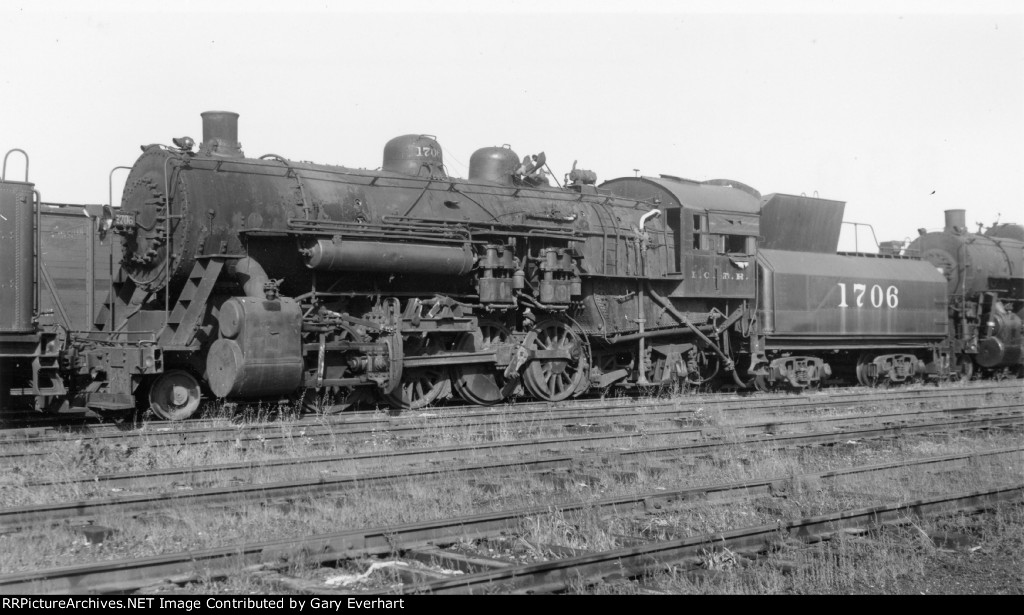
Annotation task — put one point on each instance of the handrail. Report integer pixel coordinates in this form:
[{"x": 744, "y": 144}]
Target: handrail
[{"x": 3, "y": 174}]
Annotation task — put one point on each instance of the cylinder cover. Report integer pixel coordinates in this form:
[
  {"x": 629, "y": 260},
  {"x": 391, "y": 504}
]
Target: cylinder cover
[
  {"x": 260, "y": 349},
  {"x": 1003, "y": 344}
]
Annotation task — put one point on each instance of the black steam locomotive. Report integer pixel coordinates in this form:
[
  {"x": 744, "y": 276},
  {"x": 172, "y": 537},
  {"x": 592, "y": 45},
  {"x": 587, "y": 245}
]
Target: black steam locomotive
[{"x": 271, "y": 278}]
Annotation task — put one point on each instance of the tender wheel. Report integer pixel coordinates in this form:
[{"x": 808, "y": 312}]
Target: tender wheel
[
  {"x": 762, "y": 384},
  {"x": 174, "y": 396},
  {"x": 555, "y": 379},
  {"x": 863, "y": 376},
  {"x": 481, "y": 383},
  {"x": 421, "y": 386},
  {"x": 703, "y": 368}
]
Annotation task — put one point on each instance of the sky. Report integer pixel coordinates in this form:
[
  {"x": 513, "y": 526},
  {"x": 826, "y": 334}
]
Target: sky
[{"x": 902, "y": 109}]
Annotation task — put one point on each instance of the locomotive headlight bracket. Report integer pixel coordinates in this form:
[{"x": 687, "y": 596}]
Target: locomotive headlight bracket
[{"x": 105, "y": 222}]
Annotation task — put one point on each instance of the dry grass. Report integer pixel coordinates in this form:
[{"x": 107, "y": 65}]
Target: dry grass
[
  {"x": 915, "y": 557},
  {"x": 411, "y": 500}
]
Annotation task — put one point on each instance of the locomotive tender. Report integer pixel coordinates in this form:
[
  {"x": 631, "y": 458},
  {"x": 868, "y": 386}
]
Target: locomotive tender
[{"x": 269, "y": 278}]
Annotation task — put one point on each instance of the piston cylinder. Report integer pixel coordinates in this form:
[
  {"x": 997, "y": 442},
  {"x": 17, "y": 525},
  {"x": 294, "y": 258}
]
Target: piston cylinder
[{"x": 16, "y": 255}]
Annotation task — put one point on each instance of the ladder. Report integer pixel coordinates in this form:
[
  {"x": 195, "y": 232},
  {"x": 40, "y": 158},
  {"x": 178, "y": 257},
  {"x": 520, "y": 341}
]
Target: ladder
[
  {"x": 125, "y": 298},
  {"x": 190, "y": 306}
]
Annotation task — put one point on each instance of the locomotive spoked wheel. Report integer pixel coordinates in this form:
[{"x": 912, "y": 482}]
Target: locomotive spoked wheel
[
  {"x": 422, "y": 385},
  {"x": 333, "y": 399},
  {"x": 174, "y": 396},
  {"x": 555, "y": 379},
  {"x": 481, "y": 383}
]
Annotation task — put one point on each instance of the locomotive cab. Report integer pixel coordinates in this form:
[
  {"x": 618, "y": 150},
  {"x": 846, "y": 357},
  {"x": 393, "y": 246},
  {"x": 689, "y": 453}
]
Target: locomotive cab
[{"x": 712, "y": 230}]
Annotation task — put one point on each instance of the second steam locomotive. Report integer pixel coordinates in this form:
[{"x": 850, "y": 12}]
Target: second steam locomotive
[{"x": 270, "y": 278}]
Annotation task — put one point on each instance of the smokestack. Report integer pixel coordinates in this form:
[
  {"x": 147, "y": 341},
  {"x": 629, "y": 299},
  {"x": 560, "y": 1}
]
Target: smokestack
[
  {"x": 956, "y": 221},
  {"x": 220, "y": 134}
]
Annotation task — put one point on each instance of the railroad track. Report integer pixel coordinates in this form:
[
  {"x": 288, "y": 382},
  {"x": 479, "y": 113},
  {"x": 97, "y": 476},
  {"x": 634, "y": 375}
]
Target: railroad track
[
  {"x": 632, "y": 562},
  {"x": 330, "y": 432},
  {"x": 582, "y": 443},
  {"x": 427, "y": 539},
  {"x": 633, "y": 419},
  {"x": 457, "y": 414},
  {"x": 15, "y": 517}
]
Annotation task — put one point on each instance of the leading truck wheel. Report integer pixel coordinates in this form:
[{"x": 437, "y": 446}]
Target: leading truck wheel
[
  {"x": 964, "y": 369},
  {"x": 174, "y": 396}
]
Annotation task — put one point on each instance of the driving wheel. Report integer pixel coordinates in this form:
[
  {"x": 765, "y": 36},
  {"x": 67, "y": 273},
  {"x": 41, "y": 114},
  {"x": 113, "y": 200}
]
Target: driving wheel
[{"x": 559, "y": 365}]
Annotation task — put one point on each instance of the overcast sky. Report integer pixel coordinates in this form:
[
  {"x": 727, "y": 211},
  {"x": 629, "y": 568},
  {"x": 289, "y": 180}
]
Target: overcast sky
[{"x": 901, "y": 109}]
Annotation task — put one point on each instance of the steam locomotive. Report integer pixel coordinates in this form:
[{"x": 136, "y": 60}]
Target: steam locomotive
[{"x": 271, "y": 278}]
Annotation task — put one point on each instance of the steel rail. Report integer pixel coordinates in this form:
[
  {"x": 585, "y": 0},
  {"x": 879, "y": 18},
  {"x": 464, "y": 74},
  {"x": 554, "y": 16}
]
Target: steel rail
[
  {"x": 20, "y": 516},
  {"x": 491, "y": 449},
  {"x": 131, "y": 574},
  {"x": 632, "y": 562},
  {"x": 315, "y": 434},
  {"x": 462, "y": 411},
  {"x": 435, "y": 416}
]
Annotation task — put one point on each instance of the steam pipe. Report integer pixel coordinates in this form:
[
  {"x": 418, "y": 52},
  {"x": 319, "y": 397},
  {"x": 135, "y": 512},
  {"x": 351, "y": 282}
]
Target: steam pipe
[
  {"x": 251, "y": 275},
  {"x": 641, "y": 319},
  {"x": 90, "y": 272},
  {"x": 642, "y": 376},
  {"x": 644, "y": 218}
]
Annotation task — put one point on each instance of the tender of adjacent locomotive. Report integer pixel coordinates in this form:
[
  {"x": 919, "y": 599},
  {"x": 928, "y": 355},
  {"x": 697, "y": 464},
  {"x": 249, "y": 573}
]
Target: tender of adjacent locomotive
[{"x": 271, "y": 278}]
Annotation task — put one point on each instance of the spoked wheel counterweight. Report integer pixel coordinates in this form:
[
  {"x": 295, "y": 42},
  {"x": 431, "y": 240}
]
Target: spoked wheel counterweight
[
  {"x": 421, "y": 386},
  {"x": 482, "y": 383}
]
